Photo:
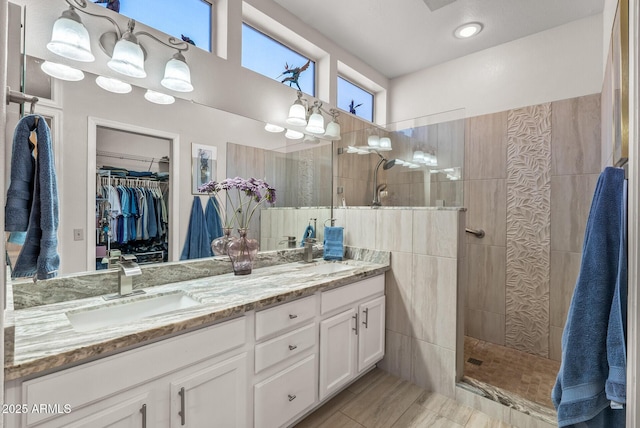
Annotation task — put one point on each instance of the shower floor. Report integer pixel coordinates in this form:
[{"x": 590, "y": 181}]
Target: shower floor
[{"x": 528, "y": 376}]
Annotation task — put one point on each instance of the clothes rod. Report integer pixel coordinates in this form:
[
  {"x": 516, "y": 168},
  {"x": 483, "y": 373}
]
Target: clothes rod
[{"x": 20, "y": 98}]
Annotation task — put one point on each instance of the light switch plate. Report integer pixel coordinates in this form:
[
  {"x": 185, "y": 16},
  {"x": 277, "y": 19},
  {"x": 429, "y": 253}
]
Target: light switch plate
[{"x": 78, "y": 234}]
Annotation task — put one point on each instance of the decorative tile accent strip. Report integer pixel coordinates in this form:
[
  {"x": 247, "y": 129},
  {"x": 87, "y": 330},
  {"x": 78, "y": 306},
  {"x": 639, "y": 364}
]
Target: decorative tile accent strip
[{"x": 528, "y": 224}]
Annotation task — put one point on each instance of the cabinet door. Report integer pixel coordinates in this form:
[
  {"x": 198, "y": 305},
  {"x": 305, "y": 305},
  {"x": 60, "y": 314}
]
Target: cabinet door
[
  {"x": 129, "y": 413},
  {"x": 338, "y": 337},
  {"x": 212, "y": 397},
  {"x": 371, "y": 332}
]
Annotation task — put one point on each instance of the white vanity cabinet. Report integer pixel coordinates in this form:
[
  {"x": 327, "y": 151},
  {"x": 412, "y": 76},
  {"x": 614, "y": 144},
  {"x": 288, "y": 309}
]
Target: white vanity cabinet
[{"x": 351, "y": 332}]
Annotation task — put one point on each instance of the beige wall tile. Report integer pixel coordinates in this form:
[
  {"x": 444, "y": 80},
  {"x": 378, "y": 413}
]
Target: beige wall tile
[
  {"x": 575, "y": 136},
  {"x": 486, "y": 280},
  {"x": 486, "y": 146},
  {"x": 435, "y": 233},
  {"x": 492, "y": 408},
  {"x": 482, "y": 420},
  {"x": 398, "y": 287},
  {"x": 397, "y": 357},
  {"x": 571, "y": 198},
  {"x": 485, "y": 326},
  {"x": 394, "y": 231},
  {"x": 460, "y": 314},
  {"x": 361, "y": 228},
  {"x": 565, "y": 267},
  {"x": 555, "y": 343},
  {"x": 433, "y": 368},
  {"x": 487, "y": 210},
  {"x": 434, "y": 300}
]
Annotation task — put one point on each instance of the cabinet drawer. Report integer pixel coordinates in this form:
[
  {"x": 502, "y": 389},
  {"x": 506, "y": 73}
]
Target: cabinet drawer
[
  {"x": 285, "y": 346},
  {"x": 287, "y": 394},
  {"x": 282, "y": 317},
  {"x": 349, "y": 294}
]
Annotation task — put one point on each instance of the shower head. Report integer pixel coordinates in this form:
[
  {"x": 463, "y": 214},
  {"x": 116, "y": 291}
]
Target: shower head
[{"x": 389, "y": 164}]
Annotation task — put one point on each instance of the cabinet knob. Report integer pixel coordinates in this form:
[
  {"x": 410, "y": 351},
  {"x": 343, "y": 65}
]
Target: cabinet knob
[
  {"x": 292, "y": 316},
  {"x": 292, "y": 397},
  {"x": 292, "y": 347}
]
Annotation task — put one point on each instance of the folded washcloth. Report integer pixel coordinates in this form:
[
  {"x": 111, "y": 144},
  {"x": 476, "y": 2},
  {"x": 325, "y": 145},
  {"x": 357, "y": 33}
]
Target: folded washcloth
[
  {"x": 333, "y": 243},
  {"x": 309, "y": 232}
]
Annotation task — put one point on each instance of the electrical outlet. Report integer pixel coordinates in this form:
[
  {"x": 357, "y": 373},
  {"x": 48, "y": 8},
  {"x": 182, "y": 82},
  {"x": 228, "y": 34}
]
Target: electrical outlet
[{"x": 78, "y": 234}]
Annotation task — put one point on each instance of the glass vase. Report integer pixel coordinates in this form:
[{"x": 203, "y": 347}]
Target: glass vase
[
  {"x": 242, "y": 252},
  {"x": 220, "y": 245}
]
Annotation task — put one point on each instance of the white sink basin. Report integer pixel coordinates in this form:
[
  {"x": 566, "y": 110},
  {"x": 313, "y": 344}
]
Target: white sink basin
[
  {"x": 328, "y": 268},
  {"x": 122, "y": 312}
]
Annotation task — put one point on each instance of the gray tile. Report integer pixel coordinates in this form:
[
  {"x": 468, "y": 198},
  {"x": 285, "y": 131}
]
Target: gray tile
[
  {"x": 445, "y": 407},
  {"x": 565, "y": 267},
  {"x": 340, "y": 420},
  {"x": 433, "y": 368},
  {"x": 394, "y": 231},
  {"x": 361, "y": 228},
  {"x": 435, "y": 233},
  {"x": 398, "y": 286},
  {"x": 327, "y": 410},
  {"x": 555, "y": 343},
  {"x": 571, "y": 197},
  {"x": 522, "y": 420},
  {"x": 434, "y": 300},
  {"x": 487, "y": 210},
  {"x": 481, "y": 420},
  {"x": 486, "y": 146},
  {"x": 486, "y": 326},
  {"x": 486, "y": 278},
  {"x": 575, "y": 136},
  {"x": 397, "y": 357},
  {"x": 367, "y": 381},
  {"x": 417, "y": 417},
  {"x": 491, "y": 408}
]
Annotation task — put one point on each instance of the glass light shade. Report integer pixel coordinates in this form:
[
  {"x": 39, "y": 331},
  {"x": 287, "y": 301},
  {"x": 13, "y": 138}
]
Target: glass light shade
[
  {"x": 70, "y": 39},
  {"x": 158, "y": 97},
  {"x": 270, "y": 127},
  {"x": 316, "y": 123},
  {"x": 297, "y": 114},
  {"x": 468, "y": 30},
  {"x": 128, "y": 59},
  {"x": 385, "y": 143},
  {"x": 414, "y": 166},
  {"x": 333, "y": 131},
  {"x": 418, "y": 156},
  {"x": 373, "y": 141},
  {"x": 113, "y": 85},
  {"x": 62, "y": 72},
  {"x": 293, "y": 135},
  {"x": 177, "y": 75}
]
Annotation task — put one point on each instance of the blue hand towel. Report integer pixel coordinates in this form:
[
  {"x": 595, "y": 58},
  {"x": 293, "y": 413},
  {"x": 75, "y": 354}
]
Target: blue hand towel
[
  {"x": 212, "y": 219},
  {"x": 309, "y": 232},
  {"x": 333, "y": 243},
  {"x": 32, "y": 200},
  {"x": 593, "y": 350},
  {"x": 197, "y": 244}
]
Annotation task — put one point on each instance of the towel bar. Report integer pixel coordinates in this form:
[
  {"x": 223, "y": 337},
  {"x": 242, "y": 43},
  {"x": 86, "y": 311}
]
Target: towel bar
[{"x": 479, "y": 233}]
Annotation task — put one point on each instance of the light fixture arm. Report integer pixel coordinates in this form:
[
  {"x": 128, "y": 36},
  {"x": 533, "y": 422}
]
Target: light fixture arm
[
  {"x": 81, "y": 5},
  {"x": 179, "y": 45}
]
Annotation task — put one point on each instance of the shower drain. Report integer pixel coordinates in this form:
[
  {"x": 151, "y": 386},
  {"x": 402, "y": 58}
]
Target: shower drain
[{"x": 474, "y": 361}]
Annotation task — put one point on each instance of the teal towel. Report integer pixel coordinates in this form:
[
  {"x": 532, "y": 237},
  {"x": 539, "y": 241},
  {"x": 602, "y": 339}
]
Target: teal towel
[
  {"x": 333, "y": 243},
  {"x": 309, "y": 232}
]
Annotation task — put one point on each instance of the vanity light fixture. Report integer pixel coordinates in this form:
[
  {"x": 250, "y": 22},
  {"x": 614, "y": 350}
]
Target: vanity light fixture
[
  {"x": 373, "y": 140},
  {"x": 62, "y": 71},
  {"x": 293, "y": 135},
  {"x": 270, "y": 127},
  {"x": 385, "y": 143},
  {"x": 468, "y": 30},
  {"x": 158, "y": 97},
  {"x": 70, "y": 39},
  {"x": 311, "y": 118},
  {"x": 113, "y": 85}
]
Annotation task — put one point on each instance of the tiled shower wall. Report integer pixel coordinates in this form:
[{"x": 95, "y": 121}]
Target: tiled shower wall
[{"x": 530, "y": 177}]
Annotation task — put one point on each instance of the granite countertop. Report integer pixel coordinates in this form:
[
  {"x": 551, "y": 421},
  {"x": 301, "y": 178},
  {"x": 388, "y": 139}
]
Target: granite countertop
[{"x": 45, "y": 339}]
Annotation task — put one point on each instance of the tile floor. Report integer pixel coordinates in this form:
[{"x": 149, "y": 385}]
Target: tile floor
[
  {"x": 526, "y": 375},
  {"x": 380, "y": 399}
]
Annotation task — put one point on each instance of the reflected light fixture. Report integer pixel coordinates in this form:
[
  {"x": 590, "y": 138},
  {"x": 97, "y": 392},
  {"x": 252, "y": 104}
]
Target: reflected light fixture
[
  {"x": 62, "y": 72},
  {"x": 70, "y": 39},
  {"x": 385, "y": 143},
  {"x": 270, "y": 127},
  {"x": 158, "y": 97},
  {"x": 293, "y": 135},
  {"x": 113, "y": 85},
  {"x": 468, "y": 30},
  {"x": 299, "y": 111},
  {"x": 373, "y": 140}
]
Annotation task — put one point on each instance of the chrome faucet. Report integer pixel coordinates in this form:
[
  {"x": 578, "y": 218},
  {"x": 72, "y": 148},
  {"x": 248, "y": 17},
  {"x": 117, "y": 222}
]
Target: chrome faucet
[
  {"x": 128, "y": 268},
  {"x": 307, "y": 256}
]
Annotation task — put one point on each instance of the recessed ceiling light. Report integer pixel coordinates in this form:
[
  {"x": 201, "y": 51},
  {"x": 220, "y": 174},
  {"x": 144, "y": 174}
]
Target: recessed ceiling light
[{"x": 467, "y": 30}]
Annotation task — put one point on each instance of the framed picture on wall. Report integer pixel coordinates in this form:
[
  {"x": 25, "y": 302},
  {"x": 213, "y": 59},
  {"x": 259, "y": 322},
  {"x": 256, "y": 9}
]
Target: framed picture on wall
[{"x": 203, "y": 165}]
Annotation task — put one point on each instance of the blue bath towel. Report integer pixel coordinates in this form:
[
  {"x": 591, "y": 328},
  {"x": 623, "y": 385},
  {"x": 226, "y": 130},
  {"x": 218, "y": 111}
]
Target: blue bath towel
[
  {"x": 197, "y": 244},
  {"x": 593, "y": 340},
  {"x": 333, "y": 243},
  {"x": 212, "y": 219},
  {"x": 32, "y": 200},
  {"x": 309, "y": 232}
]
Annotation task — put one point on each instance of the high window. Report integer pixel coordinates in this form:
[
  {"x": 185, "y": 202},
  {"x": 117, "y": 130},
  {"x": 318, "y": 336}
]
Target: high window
[
  {"x": 271, "y": 58},
  {"x": 189, "y": 18},
  {"x": 354, "y": 99}
]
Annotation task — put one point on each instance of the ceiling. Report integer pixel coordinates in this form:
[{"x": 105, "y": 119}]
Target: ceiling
[{"x": 397, "y": 37}]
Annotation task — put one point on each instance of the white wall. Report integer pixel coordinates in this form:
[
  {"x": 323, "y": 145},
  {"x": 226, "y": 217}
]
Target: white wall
[{"x": 560, "y": 63}]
